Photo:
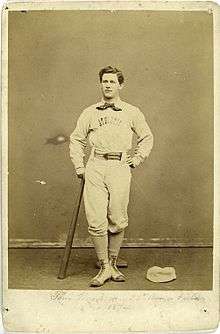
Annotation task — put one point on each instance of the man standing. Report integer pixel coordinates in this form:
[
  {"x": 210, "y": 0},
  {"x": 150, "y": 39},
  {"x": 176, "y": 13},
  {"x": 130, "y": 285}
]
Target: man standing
[{"x": 109, "y": 126}]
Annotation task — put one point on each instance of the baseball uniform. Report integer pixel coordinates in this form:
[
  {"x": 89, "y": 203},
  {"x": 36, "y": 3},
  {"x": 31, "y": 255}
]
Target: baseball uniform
[{"x": 109, "y": 129}]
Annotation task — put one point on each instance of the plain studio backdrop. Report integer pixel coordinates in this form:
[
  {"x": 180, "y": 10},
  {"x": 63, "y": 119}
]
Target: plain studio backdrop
[{"x": 167, "y": 61}]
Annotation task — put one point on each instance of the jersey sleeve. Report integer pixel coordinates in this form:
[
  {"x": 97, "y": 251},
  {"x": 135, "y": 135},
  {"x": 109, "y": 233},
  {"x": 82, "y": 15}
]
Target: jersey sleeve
[
  {"x": 144, "y": 137},
  {"x": 78, "y": 142}
]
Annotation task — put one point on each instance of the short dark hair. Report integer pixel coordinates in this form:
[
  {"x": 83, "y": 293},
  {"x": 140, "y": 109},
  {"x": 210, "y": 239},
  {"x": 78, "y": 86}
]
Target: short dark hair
[{"x": 114, "y": 70}]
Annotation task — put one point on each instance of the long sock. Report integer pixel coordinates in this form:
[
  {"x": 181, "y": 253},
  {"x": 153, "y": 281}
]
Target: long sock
[
  {"x": 114, "y": 243},
  {"x": 101, "y": 246}
]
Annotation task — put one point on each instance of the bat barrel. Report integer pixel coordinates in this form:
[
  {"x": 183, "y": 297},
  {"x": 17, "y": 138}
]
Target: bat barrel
[{"x": 70, "y": 236}]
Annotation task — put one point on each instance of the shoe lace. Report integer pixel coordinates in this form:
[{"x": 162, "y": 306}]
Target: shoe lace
[
  {"x": 113, "y": 261},
  {"x": 103, "y": 267}
]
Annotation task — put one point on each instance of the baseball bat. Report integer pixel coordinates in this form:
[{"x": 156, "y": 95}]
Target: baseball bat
[{"x": 70, "y": 235}]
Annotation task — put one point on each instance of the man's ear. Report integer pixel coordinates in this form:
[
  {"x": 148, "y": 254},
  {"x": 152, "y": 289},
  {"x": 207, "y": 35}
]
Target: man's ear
[{"x": 121, "y": 86}]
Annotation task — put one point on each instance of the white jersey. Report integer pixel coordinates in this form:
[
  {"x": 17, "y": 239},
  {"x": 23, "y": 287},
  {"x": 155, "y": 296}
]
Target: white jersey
[{"x": 110, "y": 131}]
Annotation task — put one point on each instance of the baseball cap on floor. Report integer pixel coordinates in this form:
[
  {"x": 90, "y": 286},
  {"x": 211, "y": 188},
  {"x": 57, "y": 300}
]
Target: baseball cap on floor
[{"x": 161, "y": 275}]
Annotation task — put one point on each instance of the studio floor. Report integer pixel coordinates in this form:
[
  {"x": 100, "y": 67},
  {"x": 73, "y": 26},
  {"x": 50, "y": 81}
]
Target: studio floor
[{"x": 38, "y": 269}]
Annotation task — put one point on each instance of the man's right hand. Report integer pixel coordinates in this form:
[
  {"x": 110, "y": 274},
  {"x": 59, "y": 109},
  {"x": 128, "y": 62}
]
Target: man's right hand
[
  {"x": 81, "y": 176},
  {"x": 80, "y": 172}
]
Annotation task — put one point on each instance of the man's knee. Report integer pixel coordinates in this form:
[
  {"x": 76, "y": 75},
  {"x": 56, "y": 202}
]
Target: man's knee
[{"x": 118, "y": 227}]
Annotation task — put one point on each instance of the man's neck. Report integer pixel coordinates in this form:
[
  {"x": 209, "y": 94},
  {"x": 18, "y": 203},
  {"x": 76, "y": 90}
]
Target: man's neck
[{"x": 111, "y": 100}]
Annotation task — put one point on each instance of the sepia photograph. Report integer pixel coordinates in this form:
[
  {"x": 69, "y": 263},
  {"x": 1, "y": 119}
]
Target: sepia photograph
[{"x": 109, "y": 158}]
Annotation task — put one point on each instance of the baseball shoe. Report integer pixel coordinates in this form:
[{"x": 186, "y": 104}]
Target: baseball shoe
[
  {"x": 103, "y": 275},
  {"x": 117, "y": 276}
]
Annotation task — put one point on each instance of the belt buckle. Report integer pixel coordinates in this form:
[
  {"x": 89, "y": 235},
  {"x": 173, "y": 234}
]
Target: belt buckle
[{"x": 105, "y": 155}]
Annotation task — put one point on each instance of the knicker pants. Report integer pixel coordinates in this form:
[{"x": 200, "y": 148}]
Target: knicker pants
[{"x": 106, "y": 195}]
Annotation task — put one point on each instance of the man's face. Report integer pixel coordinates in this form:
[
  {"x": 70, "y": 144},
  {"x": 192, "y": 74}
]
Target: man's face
[{"x": 110, "y": 86}]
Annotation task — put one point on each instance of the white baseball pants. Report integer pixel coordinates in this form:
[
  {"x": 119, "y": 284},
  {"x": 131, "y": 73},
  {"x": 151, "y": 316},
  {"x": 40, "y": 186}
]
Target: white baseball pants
[{"x": 106, "y": 195}]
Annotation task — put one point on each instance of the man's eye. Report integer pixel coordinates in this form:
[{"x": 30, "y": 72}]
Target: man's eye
[{"x": 112, "y": 81}]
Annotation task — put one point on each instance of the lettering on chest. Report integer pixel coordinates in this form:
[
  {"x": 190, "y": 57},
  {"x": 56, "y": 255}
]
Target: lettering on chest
[{"x": 109, "y": 120}]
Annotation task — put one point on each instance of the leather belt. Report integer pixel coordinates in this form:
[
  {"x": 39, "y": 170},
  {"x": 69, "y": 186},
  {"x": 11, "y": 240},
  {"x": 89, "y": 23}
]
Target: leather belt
[{"x": 108, "y": 156}]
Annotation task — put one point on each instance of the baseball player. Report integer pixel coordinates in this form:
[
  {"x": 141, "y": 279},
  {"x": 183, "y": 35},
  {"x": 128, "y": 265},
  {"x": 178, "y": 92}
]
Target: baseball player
[{"x": 109, "y": 126}]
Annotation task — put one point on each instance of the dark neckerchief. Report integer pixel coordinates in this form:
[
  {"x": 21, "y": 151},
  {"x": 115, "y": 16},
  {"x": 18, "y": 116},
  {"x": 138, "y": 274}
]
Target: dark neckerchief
[{"x": 107, "y": 105}]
